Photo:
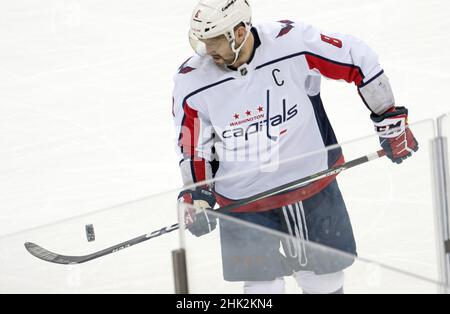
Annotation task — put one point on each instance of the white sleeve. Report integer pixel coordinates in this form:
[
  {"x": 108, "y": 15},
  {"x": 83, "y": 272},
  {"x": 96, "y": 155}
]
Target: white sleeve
[
  {"x": 344, "y": 57},
  {"x": 194, "y": 140}
]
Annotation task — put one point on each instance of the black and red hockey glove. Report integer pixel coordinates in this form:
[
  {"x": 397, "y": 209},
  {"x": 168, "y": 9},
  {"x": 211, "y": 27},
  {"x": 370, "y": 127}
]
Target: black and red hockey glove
[
  {"x": 197, "y": 220},
  {"x": 395, "y": 135}
]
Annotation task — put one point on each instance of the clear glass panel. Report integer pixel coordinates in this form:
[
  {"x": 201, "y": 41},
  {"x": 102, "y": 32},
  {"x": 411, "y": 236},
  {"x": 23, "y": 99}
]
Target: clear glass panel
[
  {"x": 208, "y": 265},
  {"x": 389, "y": 206},
  {"x": 391, "y": 211},
  {"x": 144, "y": 268}
]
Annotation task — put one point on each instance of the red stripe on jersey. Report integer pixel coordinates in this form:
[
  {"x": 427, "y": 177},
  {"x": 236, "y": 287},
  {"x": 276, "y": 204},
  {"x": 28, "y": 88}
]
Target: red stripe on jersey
[
  {"x": 333, "y": 70},
  {"x": 284, "y": 199},
  {"x": 189, "y": 141},
  {"x": 199, "y": 169},
  {"x": 190, "y": 131}
]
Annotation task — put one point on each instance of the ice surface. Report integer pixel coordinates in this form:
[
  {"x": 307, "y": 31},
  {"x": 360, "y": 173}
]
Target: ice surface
[{"x": 85, "y": 102}]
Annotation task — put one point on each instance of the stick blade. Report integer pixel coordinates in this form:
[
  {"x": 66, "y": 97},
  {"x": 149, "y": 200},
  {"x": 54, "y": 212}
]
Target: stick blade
[{"x": 51, "y": 257}]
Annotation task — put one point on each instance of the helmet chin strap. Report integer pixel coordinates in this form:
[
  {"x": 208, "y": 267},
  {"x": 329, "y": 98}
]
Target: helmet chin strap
[{"x": 237, "y": 50}]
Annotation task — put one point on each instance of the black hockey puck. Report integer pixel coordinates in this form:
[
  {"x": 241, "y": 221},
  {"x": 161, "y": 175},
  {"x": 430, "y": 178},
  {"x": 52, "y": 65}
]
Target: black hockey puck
[{"x": 90, "y": 234}]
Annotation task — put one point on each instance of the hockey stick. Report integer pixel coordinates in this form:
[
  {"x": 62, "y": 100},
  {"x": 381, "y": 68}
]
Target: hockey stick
[{"x": 48, "y": 256}]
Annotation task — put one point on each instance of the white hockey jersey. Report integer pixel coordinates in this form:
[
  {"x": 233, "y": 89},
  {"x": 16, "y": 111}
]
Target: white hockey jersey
[{"x": 269, "y": 110}]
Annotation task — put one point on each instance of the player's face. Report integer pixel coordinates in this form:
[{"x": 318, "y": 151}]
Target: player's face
[{"x": 219, "y": 49}]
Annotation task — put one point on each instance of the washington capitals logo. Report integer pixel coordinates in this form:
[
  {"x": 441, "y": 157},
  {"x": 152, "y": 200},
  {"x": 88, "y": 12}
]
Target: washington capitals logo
[
  {"x": 288, "y": 26},
  {"x": 184, "y": 68},
  {"x": 251, "y": 122}
]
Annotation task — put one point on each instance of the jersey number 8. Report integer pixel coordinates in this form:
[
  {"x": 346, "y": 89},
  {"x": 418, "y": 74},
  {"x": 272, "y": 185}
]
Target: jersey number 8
[{"x": 333, "y": 41}]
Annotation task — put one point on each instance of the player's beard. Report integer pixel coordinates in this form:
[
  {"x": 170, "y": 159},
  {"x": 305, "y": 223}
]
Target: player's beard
[{"x": 222, "y": 61}]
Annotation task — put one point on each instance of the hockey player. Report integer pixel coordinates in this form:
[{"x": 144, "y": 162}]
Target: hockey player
[{"x": 255, "y": 91}]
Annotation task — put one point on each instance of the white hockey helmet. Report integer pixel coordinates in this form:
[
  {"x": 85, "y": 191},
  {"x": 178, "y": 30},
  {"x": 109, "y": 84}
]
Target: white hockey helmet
[{"x": 212, "y": 18}]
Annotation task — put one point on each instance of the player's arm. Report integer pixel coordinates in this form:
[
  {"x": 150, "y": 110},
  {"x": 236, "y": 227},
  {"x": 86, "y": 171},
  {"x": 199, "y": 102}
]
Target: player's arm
[
  {"x": 344, "y": 57},
  {"x": 194, "y": 142}
]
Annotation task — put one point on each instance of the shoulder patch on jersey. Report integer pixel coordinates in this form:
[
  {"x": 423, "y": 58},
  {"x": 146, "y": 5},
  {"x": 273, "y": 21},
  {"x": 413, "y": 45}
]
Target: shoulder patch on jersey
[
  {"x": 184, "y": 68},
  {"x": 287, "y": 27}
]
